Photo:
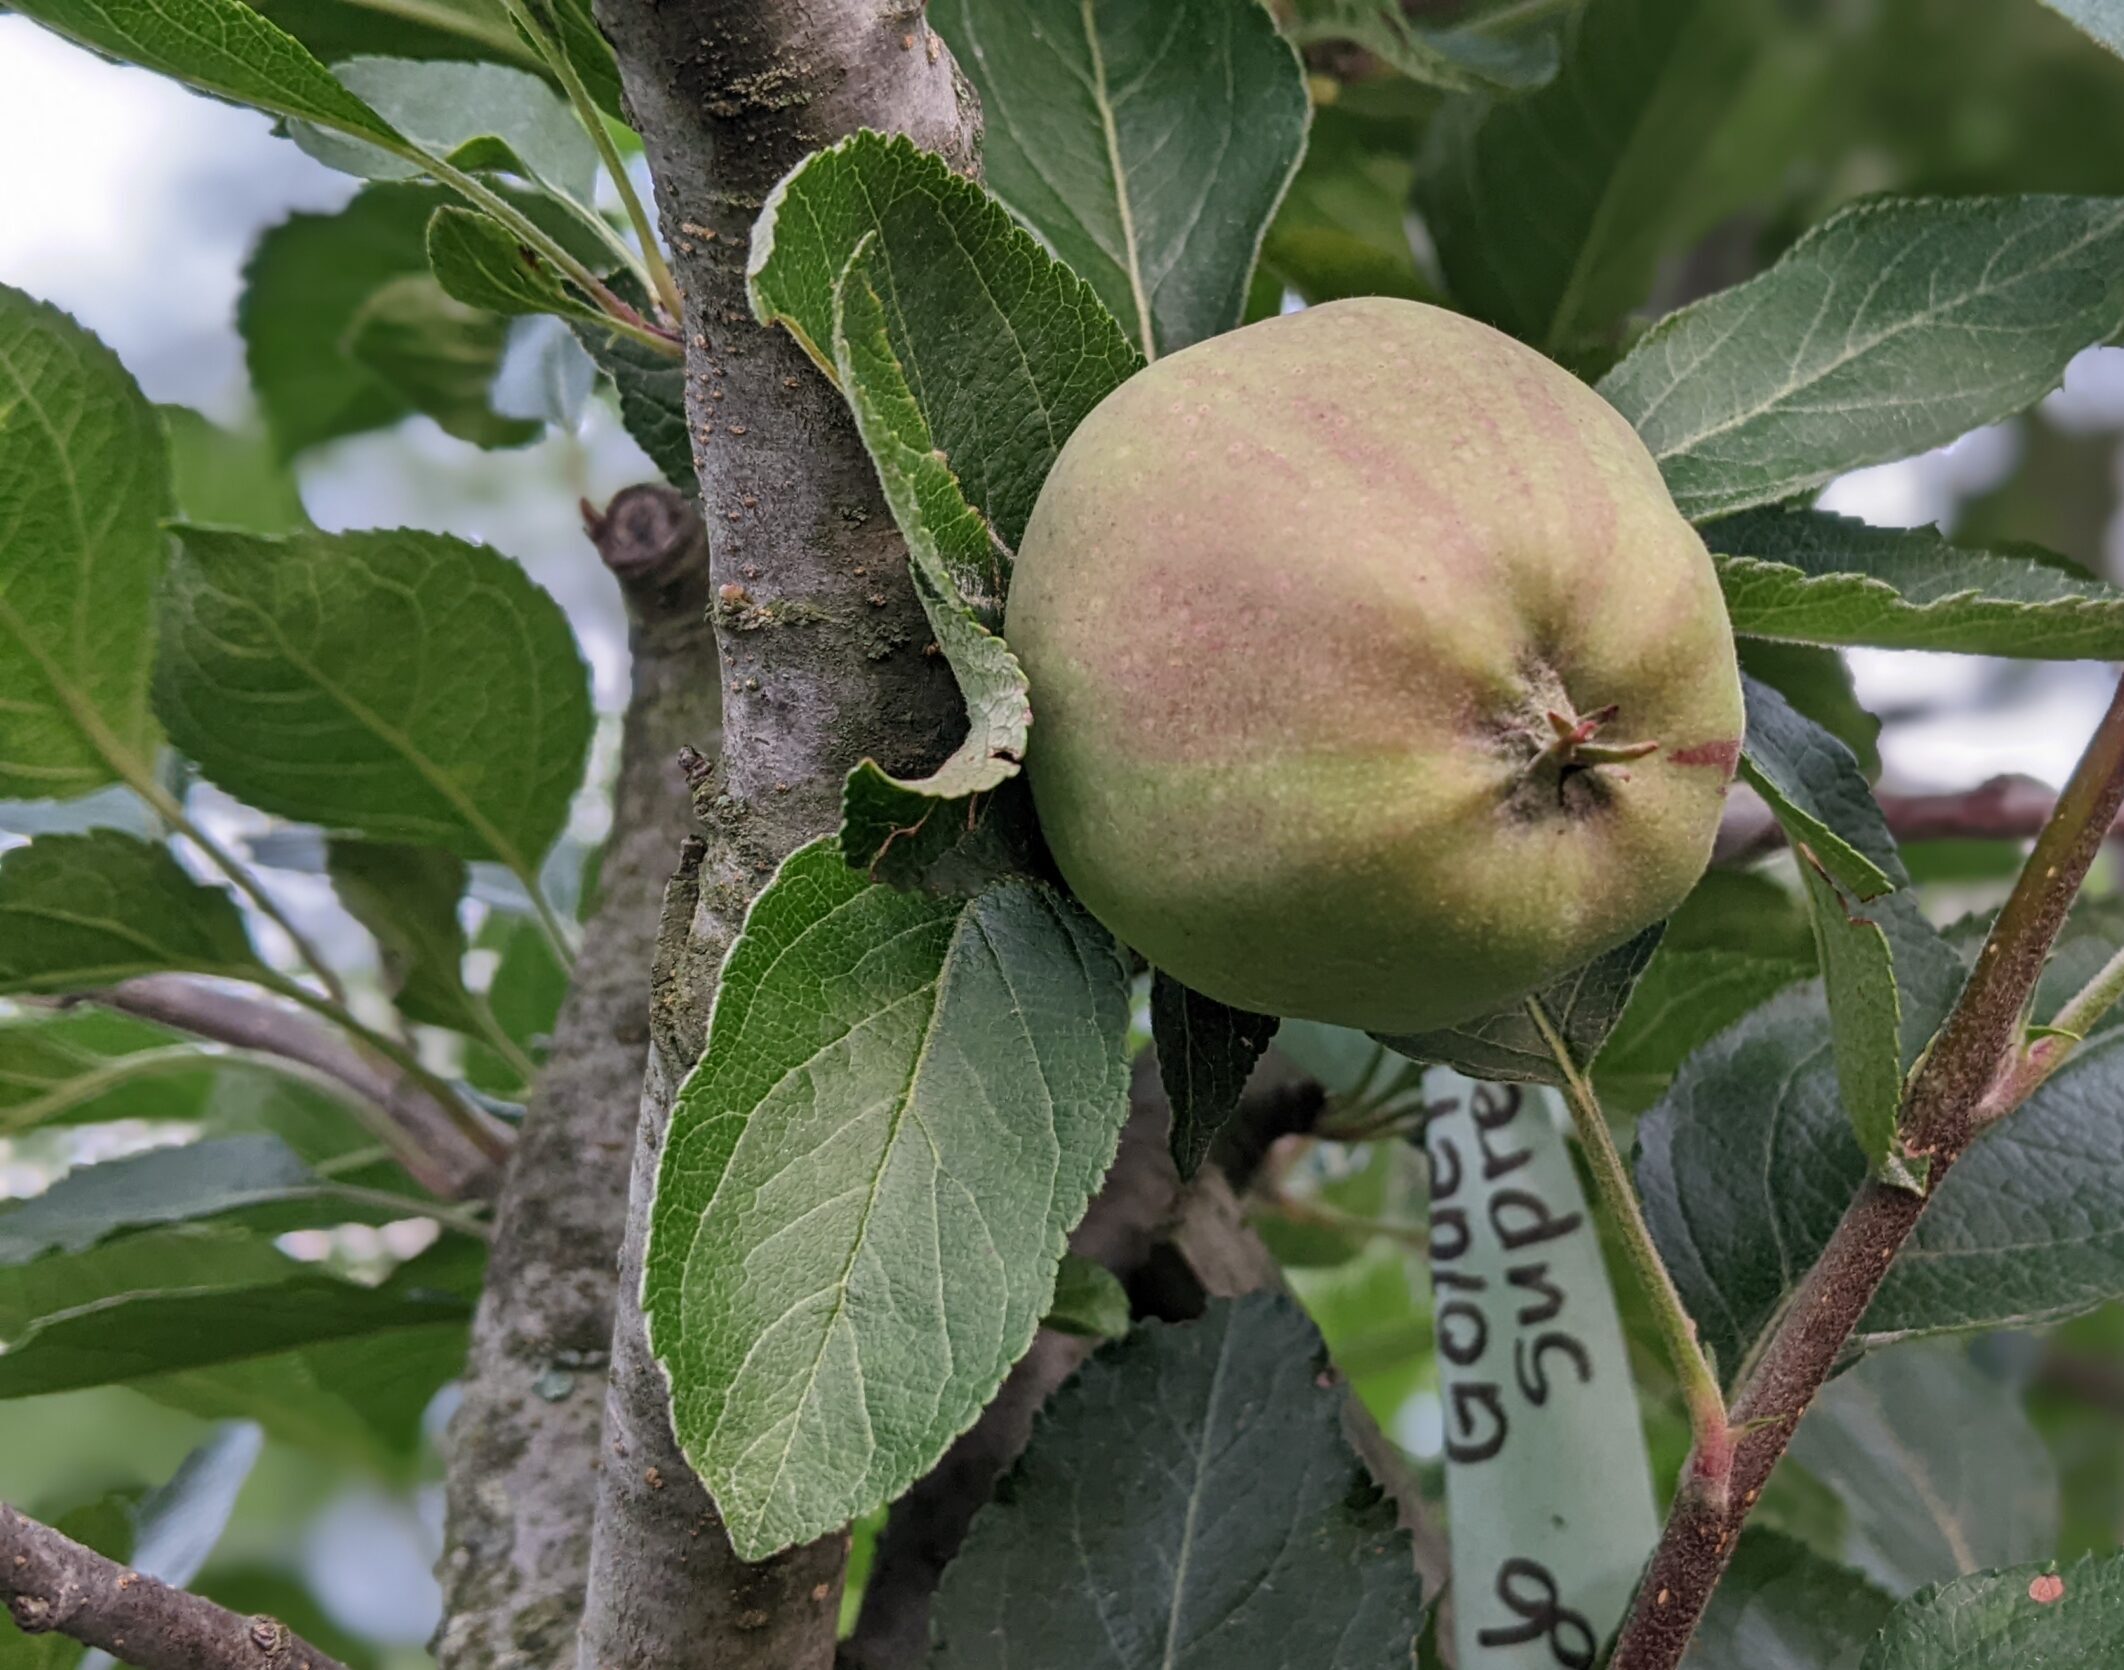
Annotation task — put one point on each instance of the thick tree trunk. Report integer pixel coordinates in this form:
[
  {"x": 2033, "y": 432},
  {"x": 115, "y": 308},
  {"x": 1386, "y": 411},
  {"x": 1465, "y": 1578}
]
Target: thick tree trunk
[
  {"x": 524, "y": 1444},
  {"x": 822, "y": 665}
]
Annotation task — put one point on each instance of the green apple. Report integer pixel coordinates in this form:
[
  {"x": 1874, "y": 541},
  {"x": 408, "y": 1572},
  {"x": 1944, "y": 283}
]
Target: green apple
[{"x": 1375, "y": 677}]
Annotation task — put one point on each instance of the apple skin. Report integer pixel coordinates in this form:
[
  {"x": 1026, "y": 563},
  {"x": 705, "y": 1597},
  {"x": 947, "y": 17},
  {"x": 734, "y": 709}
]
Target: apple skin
[{"x": 1297, "y": 605}]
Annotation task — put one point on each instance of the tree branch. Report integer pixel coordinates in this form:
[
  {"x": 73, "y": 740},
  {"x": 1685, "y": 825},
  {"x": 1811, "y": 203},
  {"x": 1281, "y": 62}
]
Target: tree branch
[
  {"x": 523, "y": 1451},
  {"x": 728, "y": 96},
  {"x": 1953, "y": 1097},
  {"x": 426, "y": 1137},
  {"x": 53, "y": 1584}
]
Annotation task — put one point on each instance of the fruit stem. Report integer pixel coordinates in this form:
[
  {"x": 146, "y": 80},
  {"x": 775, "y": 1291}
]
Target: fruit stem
[
  {"x": 1711, "y": 1463},
  {"x": 1571, "y": 742}
]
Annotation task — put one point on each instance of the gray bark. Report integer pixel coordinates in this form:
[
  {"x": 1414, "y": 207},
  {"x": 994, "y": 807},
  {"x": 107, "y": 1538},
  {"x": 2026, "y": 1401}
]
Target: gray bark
[
  {"x": 523, "y": 1447},
  {"x": 53, "y": 1585},
  {"x": 823, "y": 666}
]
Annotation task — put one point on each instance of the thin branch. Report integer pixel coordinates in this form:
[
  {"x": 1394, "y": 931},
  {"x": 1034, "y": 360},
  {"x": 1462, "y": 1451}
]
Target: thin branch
[
  {"x": 1712, "y": 1458},
  {"x": 426, "y": 1137},
  {"x": 53, "y": 1584},
  {"x": 1964, "y": 1082}
]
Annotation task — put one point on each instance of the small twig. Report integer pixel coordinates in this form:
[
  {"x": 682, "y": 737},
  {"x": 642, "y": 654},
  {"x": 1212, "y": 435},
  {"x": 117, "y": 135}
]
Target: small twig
[
  {"x": 1966, "y": 1081},
  {"x": 1712, "y": 1459},
  {"x": 428, "y": 1138},
  {"x": 53, "y": 1584}
]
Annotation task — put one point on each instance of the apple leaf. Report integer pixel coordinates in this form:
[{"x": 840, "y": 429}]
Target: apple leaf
[
  {"x": 231, "y": 478},
  {"x": 1812, "y": 577},
  {"x": 953, "y": 559},
  {"x": 79, "y": 912},
  {"x": 219, "y": 46},
  {"x": 84, "y": 486},
  {"x": 904, "y": 1106},
  {"x": 1147, "y": 146},
  {"x": 1206, "y": 1509},
  {"x": 407, "y": 897},
  {"x": 1865, "y": 1017},
  {"x": 1893, "y": 327},
  {"x": 1603, "y": 149},
  {"x": 1508, "y": 1048},
  {"x": 912, "y": 279},
  {"x": 1010, "y": 348},
  {"x": 1206, "y": 1053},
  {"x": 1089, "y": 1301},
  {"x": 651, "y": 386},
  {"x": 455, "y": 29},
  {"x": 1464, "y": 60},
  {"x": 1343, "y": 227},
  {"x": 2005, "y": 1620},
  {"x": 440, "y": 356},
  {"x": 194, "y": 1296},
  {"x": 1749, "y": 1160},
  {"x": 303, "y": 285},
  {"x": 1918, "y": 1510},
  {"x": 402, "y": 686},
  {"x": 1813, "y": 784},
  {"x": 481, "y": 116},
  {"x": 1781, "y": 1606},
  {"x": 482, "y": 264},
  {"x": 1686, "y": 996},
  {"x": 254, "y": 1180}
]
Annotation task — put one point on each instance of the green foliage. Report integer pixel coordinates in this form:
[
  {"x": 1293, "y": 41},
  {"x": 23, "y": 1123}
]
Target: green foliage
[
  {"x": 481, "y": 263},
  {"x": 839, "y": 1275},
  {"x": 1605, "y": 151},
  {"x": 1814, "y": 786},
  {"x": 1089, "y": 1300},
  {"x": 1920, "y": 1511},
  {"x": 81, "y": 912},
  {"x": 1748, "y": 1161},
  {"x": 407, "y": 897},
  {"x": 480, "y": 116},
  {"x": 305, "y": 283},
  {"x": 193, "y": 1297},
  {"x": 83, "y": 491},
  {"x": 439, "y": 355},
  {"x": 1686, "y": 997},
  {"x": 1865, "y": 1016},
  {"x": 1465, "y": 60},
  {"x": 1784, "y": 1607},
  {"x": 1199, "y": 1474},
  {"x": 1010, "y": 350},
  {"x": 1894, "y": 327},
  {"x": 1206, "y": 1052},
  {"x": 1147, "y": 146},
  {"x": 1820, "y": 579},
  {"x": 256, "y": 1181},
  {"x": 1996, "y": 1620},
  {"x": 402, "y": 686}
]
